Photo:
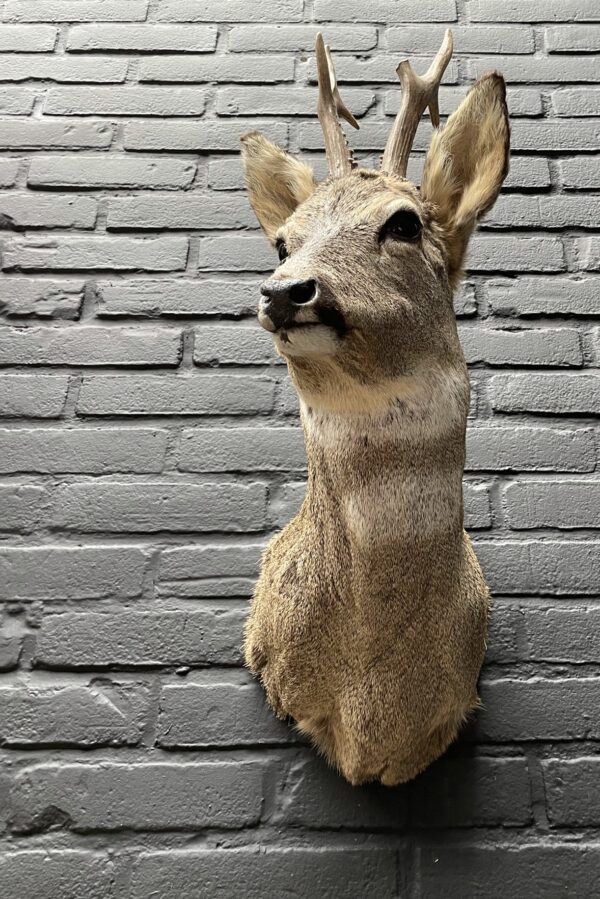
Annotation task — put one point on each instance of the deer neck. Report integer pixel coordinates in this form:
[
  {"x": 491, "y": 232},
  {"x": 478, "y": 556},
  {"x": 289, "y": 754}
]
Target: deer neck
[{"x": 385, "y": 467}]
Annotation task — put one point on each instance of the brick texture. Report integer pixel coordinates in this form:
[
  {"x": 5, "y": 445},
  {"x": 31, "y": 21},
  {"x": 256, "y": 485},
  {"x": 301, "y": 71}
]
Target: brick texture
[{"x": 150, "y": 445}]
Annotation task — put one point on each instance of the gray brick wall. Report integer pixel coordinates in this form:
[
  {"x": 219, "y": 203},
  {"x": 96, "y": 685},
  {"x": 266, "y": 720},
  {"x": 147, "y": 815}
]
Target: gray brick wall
[{"x": 149, "y": 445}]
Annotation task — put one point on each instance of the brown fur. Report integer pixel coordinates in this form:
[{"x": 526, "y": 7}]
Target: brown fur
[{"x": 369, "y": 618}]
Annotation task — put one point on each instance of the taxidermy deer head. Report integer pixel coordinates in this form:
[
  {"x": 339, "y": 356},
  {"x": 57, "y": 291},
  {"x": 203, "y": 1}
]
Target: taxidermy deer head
[{"x": 369, "y": 618}]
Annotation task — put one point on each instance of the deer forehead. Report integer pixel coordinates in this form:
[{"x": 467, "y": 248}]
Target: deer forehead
[{"x": 362, "y": 198}]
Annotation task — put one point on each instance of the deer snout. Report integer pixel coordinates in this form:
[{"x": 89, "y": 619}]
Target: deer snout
[{"x": 286, "y": 302}]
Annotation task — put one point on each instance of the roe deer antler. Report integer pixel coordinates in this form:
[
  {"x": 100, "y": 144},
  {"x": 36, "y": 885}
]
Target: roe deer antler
[
  {"x": 418, "y": 93},
  {"x": 330, "y": 106}
]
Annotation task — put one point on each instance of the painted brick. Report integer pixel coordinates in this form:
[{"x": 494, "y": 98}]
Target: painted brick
[
  {"x": 68, "y": 715},
  {"x": 515, "y": 253},
  {"x": 250, "y": 874},
  {"x": 10, "y": 651},
  {"x": 540, "y": 709},
  {"x": 586, "y": 252},
  {"x": 250, "y": 449},
  {"x": 577, "y": 101},
  {"x": 465, "y": 301},
  {"x": 478, "y": 509},
  {"x": 62, "y": 572},
  {"x": 505, "y": 634},
  {"x": 75, "y": 10},
  {"x": 258, "y": 69},
  {"x": 209, "y": 570},
  {"x": 539, "y": 68},
  {"x": 28, "y": 38},
  {"x": 523, "y": 448},
  {"x": 385, "y": 11},
  {"x": 223, "y": 709},
  {"x": 570, "y": 634},
  {"x": 533, "y": 11},
  {"x": 150, "y": 299},
  {"x": 97, "y": 252},
  {"x": 569, "y": 798},
  {"x": 89, "y": 345},
  {"x": 185, "y": 796},
  {"x": 124, "y": 101},
  {"x": 86, "y": 450},
  {"x": 182, "y": 637},
  {"x": 38, "y": 134},
  {"x": 32, "y": 396},
  {"x": 548, "y": 212},
  {"x": 580, "y": 173},
  {"x": 65, "y": 873},
  {"x": 498, "y": 870},
  {"x": 230, "y": 253},
  {"x": 553, "y": 504},
  {"x": 143, "y": 38},
  {"x": 247, "y": 38},
  {"x": 572, "y": 39},
  {"x": 19, "y": 211},
  {"x": 531, "y": 346},
  {"x": 193, "y": 211},
  {"x": 417, "y": 39},
  {"x": 41, "y": 298},
  {"x": 8, "y": 172},
  {"x": 22, "y": 506},
  {"x": 543, "y": 296},
  {"x": 14, "y": 67},
  {"x": 191, "y": 137},
  {"x": 573, "y": 394},
  {"x": 557, "y": 567},
  {"x": 232, "y": 11},
  {"x": 141, "y": 508},
  {"x": 16, "y": 101},
  {"x": 238, "y": 345},
  {"x": 202, "y": 394},
  {"x": 110, "y": 172},
  {"x": 555, "y": 136}
]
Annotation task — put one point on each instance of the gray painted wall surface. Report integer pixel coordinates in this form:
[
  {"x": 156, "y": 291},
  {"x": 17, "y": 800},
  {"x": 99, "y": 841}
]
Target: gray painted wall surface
[{"x": 149, "y": 445}]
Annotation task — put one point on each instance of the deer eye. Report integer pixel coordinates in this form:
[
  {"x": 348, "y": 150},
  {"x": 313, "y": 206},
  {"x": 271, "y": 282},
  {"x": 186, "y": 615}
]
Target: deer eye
[
  {"x": 402, "y": 225},
  {"x": 282, "y": 250}
]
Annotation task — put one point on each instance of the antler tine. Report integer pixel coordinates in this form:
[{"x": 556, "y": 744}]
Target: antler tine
[
  {"x": 330, "y": 106},
  {"x": 341, "y": 108},
  {"x": 418, "y": 93}
]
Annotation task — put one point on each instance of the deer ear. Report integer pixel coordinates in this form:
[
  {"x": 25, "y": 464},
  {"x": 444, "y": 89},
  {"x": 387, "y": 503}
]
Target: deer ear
[
  {"x": 467, "y": 163},
  {"x": 276, "y": 182}
]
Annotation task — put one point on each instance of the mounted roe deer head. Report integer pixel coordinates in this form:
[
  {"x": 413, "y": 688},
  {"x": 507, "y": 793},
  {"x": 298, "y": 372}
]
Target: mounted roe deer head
[{"x": 369, "y": 618}]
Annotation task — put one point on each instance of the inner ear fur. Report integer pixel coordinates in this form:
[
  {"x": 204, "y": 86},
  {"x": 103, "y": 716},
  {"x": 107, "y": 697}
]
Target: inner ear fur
[
  {"x": 277, "y": 183},
  {"x": 467, "y": 163}
]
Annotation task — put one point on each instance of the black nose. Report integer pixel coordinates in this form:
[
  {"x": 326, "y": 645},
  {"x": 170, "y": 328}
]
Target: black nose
[
  {"x": 282, "y": 291},
  {"x": 283, "y": 296}
]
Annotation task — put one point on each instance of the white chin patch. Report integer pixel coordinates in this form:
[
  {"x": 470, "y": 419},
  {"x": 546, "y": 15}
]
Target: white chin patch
[{"x": 310, "y": 340}]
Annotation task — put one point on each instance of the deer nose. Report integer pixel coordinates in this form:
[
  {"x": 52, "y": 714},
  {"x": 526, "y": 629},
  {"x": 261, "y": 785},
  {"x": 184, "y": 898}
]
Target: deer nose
[
  {"x": 282, "y": 299},
  {"x": 289, "y": 290}
]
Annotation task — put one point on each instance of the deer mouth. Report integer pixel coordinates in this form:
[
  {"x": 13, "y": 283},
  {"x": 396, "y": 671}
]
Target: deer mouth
[
  {"x": 284, "y": 332},
  {"x": 306, "y": 339},
  {"x": 325, "y": 317},
  {"x": 320, "y": 337}
]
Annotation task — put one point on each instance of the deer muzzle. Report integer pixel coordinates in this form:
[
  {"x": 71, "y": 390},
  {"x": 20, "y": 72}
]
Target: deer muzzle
[{"x": 288, "y": 303}]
